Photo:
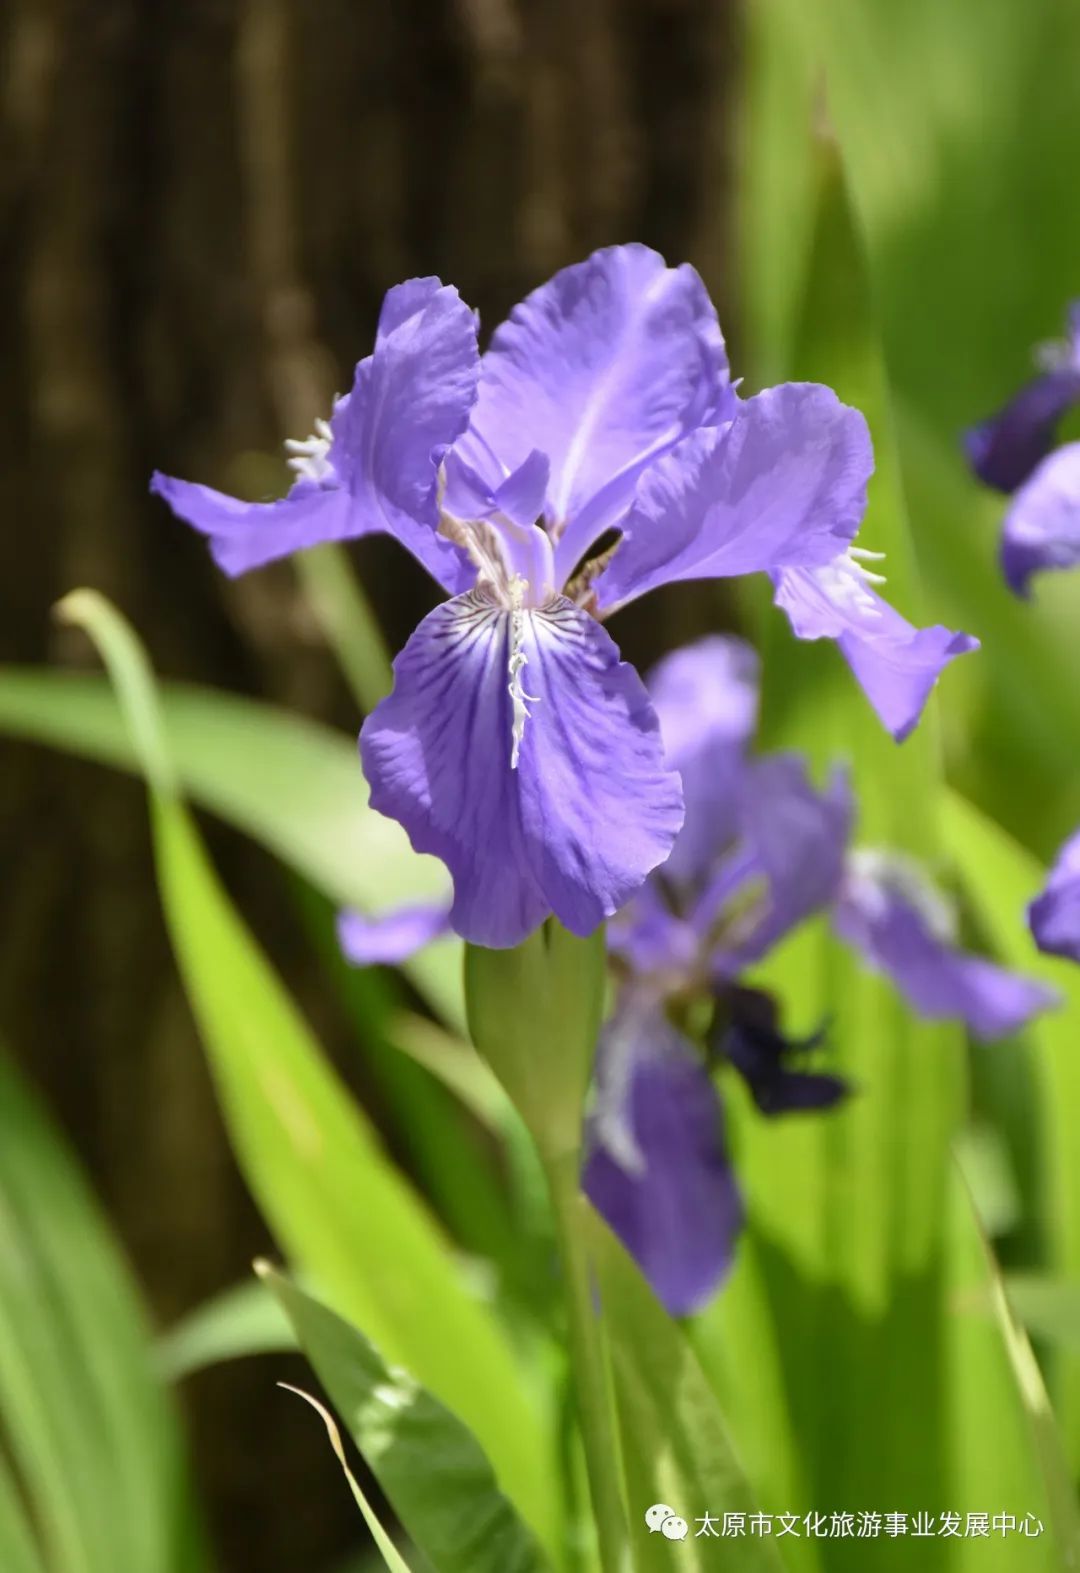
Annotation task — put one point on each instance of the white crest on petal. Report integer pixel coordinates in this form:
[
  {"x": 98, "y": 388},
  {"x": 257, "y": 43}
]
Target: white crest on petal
[
  {"x": 847, "y": 582},
  {"x": 310, "y": 456},
  {"x": 516, "y": 664}
]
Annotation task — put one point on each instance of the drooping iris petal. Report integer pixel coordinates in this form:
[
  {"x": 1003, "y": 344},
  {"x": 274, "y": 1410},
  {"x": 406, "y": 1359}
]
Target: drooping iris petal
[
  {"x": 1006, "y": 448},
  {"x": 1055, "y": 915},
  {"x": 656, "y": 1168},
  {"x": 782, "y": 484},
  {"x": 1042, "y": 525},
  {"x": 590, "y": 807},
  {"x": 895, "y": 663},
  {"x": 602, "y": 367},
  {"x": 794, "y": 841},
  {"x": 378, "y": 469},
  {"x": 706, "y": 696},
  {"x": 747, "y": 1032},
  {"x": 390, "y": 937},
  {"x": 900, "y": 927},
  {"x": 246, "y": 535}
]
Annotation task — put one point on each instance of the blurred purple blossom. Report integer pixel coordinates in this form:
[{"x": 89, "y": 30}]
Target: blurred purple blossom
[
  {"x": 1055, "y": 914},
  {"x": 762, "y": 850},
  {"x": 1005, "y": 449}
]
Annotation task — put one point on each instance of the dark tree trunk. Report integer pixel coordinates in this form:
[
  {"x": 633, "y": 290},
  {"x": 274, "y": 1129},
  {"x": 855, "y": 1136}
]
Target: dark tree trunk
[{"x": 202, "y": 204}]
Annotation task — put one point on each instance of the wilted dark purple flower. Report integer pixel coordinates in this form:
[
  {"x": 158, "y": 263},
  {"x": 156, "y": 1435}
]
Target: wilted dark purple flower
[
  {"x": 1042, "y": 524},
  {"x": 1055, "y": 915},
  {"x": 516, "y": 745},
  {"x": 747, "y": 1033},
  {"x": 1005, "y": 449}
]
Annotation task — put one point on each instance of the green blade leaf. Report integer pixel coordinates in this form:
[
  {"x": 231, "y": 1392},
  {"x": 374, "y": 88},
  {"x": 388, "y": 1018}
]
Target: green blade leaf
[
  {"x": 293, "y": 785},
  {"x": 90, "y": 1430},
  {"x": 389, "y": 1553},
  {"x": 432, "y": 1469},
  {"x": 243, "y": 1320},
  {"x": 675, "y": 1445},
  {"x": 312, "y": 1162},
  {"x": 1000, "y": 878}
]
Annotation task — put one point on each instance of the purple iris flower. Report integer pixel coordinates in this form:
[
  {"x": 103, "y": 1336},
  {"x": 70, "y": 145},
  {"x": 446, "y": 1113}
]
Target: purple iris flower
[
  {"x": 1042, "y": 524},
  {"x": 762, "y": 850},
  {"x": 1055, "y": 915},
  {"x": 516, "y": 745},
  {"x": 1005, "y": 449}
]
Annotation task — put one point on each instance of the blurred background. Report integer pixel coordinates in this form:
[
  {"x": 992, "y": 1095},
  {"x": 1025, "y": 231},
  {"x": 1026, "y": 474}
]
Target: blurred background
[{"x": 202, "y": 206}]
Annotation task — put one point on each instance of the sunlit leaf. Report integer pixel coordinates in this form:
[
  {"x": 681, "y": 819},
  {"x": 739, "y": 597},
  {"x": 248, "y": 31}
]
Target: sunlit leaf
[
  {"x": 313, "y": 1164},
  {"x": 430, "y": 1467},
  {"x": 292, "y": 784},
  {"x": 389, "y": 1553},
  {"x": 675, "y": 1445}
]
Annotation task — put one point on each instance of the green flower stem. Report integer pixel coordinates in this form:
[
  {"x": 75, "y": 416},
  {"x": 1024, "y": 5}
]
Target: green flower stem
[
  {"x": 594, "y": 1401},
  {"x": 348, "y": 622},
  {"x": 534, "y": 1014}
]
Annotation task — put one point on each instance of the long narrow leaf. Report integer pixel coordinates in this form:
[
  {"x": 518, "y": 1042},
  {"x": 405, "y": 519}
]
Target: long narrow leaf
[{"x": 311, "y": 1160}]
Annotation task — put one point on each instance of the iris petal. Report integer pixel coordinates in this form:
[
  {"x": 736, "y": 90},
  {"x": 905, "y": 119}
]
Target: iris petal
[
  {"x": 706, "y": 696},
  {"x": 1042, "y": 525},
  {"x": 588, "y": 809},
  {"x": 245, "y": 535},
  {"x": 389, "y": 937},
  {"x": 1006, "y": 448},
  {"x": 410, "y": 399},
  {"x": 895, "y": 935},
  {"x": 656, "y": 1170},
  {"x": 895, "y": 663},
  {"x": 783, "y": 484},
  {"x": 1055, "y": 915},
  {"x": 602, "y": 367}
]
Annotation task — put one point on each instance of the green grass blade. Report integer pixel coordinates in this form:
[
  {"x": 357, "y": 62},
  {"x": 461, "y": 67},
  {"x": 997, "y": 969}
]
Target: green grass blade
[{"x": 90, "y": 1430}]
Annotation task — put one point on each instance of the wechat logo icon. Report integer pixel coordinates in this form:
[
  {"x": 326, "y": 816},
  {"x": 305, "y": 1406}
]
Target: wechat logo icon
[{"x": 664, "y": 1520}]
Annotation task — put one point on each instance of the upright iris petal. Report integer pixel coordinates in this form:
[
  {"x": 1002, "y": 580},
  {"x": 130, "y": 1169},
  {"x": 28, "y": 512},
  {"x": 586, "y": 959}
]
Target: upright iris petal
[
  {"x": 706, "y": 698},
  {"x": 795, "y": 840},
  {"x": 1042, "y": 524},
  {"x": 604, "y": 368},
  {"x": 903, "y": 927},
  {"x": 1006, "y": 448},
  {"x": 374, "y": 465},
  {"x": 656, "y": 1169},
  {"x": 1055, "y": 915}
]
